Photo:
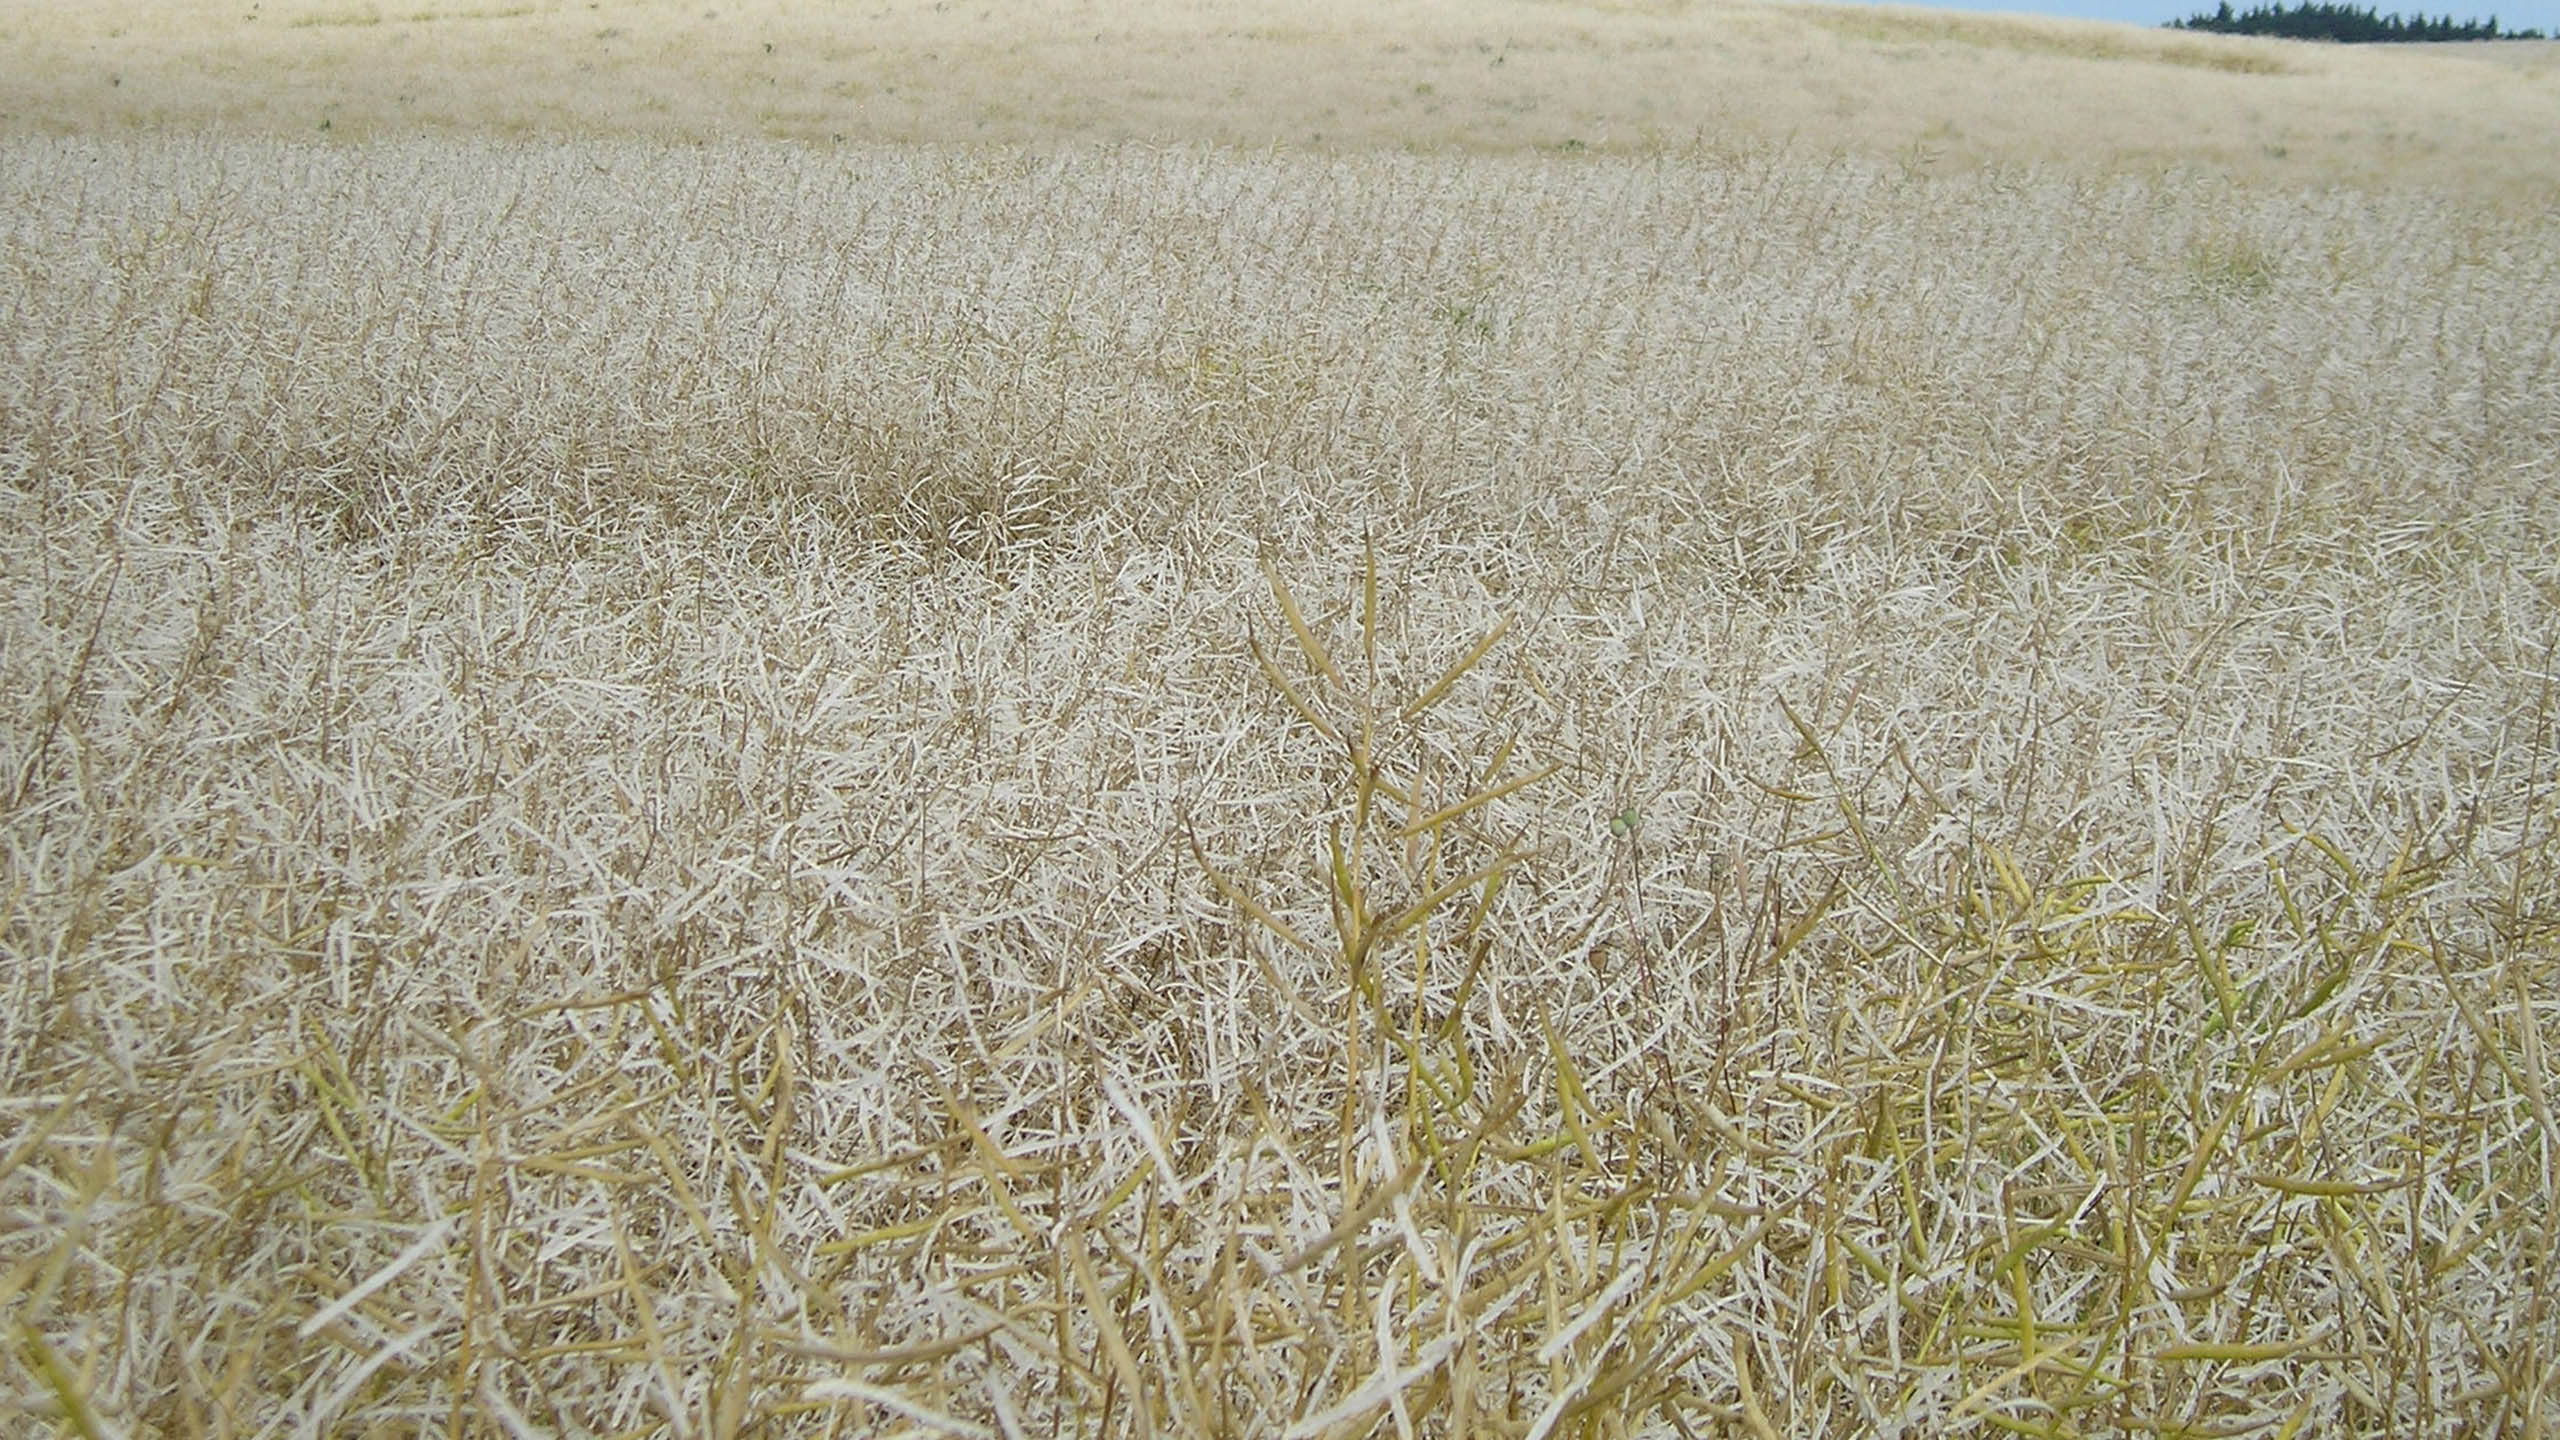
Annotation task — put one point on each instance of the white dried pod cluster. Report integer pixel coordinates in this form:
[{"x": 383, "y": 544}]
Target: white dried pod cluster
[{"x": 748, "y": 788}]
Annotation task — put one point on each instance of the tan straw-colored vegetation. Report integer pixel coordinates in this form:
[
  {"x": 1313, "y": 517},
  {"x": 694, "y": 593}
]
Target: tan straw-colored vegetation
[
  {"x": 1129, "y": 790},
  {"x": 1475, "y": 75}
]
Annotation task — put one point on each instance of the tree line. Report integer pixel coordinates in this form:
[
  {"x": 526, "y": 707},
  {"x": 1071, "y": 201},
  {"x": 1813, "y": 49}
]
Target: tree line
[{"x": 2345, "y": 24}]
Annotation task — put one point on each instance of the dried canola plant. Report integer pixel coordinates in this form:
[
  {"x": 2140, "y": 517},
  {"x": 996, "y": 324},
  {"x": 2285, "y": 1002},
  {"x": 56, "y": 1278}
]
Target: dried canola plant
[
  {"x": 1490, "y": 76},
  {"x": 1155, "y": 792}
]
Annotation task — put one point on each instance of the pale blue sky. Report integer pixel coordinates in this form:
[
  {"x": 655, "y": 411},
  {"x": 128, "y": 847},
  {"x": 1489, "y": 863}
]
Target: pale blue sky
[{"x": 2542, "y": 15}]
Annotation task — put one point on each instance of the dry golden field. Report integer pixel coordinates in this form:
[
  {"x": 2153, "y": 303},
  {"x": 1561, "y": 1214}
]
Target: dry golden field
[
  {"x": 1713, "y": 787},
  {"x": 1480, "y": 75}
]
